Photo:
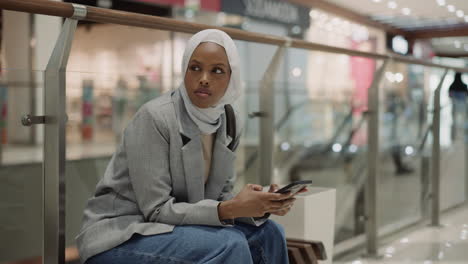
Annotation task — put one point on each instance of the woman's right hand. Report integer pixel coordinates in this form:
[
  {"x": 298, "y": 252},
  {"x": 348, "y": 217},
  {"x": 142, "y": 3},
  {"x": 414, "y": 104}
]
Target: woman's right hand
[{"x": 252, "y": 201}]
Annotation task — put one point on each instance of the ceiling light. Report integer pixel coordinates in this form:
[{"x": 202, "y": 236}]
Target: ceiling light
[
  {"x": 314, "y": 14},
  {"x": 296, "y": 29},
  {"x": 336, "y": 147},
  {"x": 451, "y": 8},
  {"x": 441, "y": 2},
  {"x": 457, "y": 44},
  {"x": 460, "y": 13},
  {"x": 398, "y": 77},
  {"x": 405, "y": 240},
  {"x": 285, "y": 146},
  {"x": 406, "y": 11},
  {"x": 377, "y": 1},
  {"x": 392, "y": 5},
  {"x": 296, "y": 72},
  {"x": 390, "y": 76}
]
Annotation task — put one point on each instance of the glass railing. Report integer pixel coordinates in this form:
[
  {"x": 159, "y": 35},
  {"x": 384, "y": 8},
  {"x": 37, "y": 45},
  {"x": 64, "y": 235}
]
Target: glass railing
[
  {"x": 453, "y": 183},
  {"x": 320, "y": 132},
  {"x": 319, "y": 135},
  {"x": 99, "y": 106},
  {"x": 21, "y": 175},
  {"x": 403, "y": 151},
  {"x": 323, "y": 140}
]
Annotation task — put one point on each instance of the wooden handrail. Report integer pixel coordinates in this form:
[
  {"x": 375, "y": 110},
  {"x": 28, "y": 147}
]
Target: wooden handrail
[{"x": 102, "y": 15}]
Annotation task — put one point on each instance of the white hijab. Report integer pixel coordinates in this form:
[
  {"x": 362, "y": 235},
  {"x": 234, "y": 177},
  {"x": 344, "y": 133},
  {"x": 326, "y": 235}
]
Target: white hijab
[{"x": 208, "y": 119}]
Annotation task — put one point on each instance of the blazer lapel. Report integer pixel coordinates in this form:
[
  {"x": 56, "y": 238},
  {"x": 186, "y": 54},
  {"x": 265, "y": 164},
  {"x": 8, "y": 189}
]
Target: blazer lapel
[
  {"x": 194, "y": 165},
  {"x": 222, "y": 164}
]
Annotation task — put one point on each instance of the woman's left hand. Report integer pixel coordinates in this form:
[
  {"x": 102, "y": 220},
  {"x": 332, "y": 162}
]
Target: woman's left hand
[{"x": 286, "y": 208}]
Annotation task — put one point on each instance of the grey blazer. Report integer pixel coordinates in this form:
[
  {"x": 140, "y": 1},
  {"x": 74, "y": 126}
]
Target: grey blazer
[{"x": 155, "y": 179}]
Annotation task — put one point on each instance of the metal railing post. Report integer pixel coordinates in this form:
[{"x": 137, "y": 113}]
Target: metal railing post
[
  {"x": 5, "y": 87},
  {"x": 267, "y": 118},
  {"x": 54, "y": 142},
  {"x": 425, "y": 193},
  {"x": 465, "y": 129},
  {"x": 372, "y": 158},
  {"x": 435, "y": 214}
]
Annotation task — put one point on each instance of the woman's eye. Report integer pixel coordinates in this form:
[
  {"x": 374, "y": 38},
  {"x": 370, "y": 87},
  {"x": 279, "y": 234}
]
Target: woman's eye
[
  {"x": 195, "y": 68},
  {"x": 218, "y": 70}
]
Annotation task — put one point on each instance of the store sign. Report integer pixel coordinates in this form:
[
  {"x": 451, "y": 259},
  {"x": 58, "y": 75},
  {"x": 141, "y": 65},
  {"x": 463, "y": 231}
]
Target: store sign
[
  {"x": 270, "y": 10},
  {"x": 162, "y": 2},
  {"x": 212, "y": 5}
]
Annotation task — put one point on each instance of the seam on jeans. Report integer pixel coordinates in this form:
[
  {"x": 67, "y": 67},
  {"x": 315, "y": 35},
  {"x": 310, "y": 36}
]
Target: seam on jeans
[
  {"x": 156, "y": 257},
  {"x": 258, "y": 245}
]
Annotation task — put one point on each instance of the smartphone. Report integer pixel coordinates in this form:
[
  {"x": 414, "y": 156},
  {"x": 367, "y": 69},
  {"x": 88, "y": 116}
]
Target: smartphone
[{"x": 294, "y": 187}]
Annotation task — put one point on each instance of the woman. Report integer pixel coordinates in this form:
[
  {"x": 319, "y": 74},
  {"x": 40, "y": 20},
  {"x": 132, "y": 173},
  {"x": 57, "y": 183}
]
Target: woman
[
  {"x": 458, "y": 92},
  {"x": 165, "y": 196}
]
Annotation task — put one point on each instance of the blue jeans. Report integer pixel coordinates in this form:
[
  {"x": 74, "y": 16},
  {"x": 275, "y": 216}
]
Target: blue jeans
[{"x": 241, "y": 244}]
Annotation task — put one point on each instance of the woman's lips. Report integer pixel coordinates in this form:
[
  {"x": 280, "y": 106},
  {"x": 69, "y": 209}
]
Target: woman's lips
[{"x": 203, "y": 92}]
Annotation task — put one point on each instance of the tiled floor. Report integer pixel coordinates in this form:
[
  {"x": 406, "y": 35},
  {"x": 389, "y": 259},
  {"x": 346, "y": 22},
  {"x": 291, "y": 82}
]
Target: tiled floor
[{"x": 447, "y": 244}]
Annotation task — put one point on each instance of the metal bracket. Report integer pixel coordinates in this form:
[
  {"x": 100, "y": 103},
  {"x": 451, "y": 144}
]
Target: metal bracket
[
  {"x": 79, "y": 12},
  {"x": 257, "y": 114},
  {"x": 29, "y": 120}
]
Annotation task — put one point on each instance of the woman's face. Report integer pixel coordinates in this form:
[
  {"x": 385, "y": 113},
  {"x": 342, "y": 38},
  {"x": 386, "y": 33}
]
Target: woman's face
[{"x": 208, "y": 74}]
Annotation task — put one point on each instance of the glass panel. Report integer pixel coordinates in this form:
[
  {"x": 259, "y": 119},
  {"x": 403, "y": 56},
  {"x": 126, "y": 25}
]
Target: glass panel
[
  {"x": 255, "y": 59},
  {"x": 107, "y": 82},
  {"x": 452, "y": 140},
  {"x": 247, "y": 154},
  {"x": 454, "y": 181},
  {"x": 99, "y": 107},
  {"x": 21, "y": 152},
  {"x": 403, "y": 125},
  {"x": 321, "y": 131}
]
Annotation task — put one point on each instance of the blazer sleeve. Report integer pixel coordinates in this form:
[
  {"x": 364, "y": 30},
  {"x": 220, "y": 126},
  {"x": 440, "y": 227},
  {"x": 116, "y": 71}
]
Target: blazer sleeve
[{"x": 146, "y": 143}]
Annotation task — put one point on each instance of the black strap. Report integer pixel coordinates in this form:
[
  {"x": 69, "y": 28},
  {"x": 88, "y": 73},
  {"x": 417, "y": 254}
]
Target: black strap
[{"x": 230, "y": 124}]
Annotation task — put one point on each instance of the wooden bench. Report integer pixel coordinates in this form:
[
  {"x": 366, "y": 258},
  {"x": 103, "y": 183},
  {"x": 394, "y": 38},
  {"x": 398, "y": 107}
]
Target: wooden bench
[{"x": 305, "y": 251}]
